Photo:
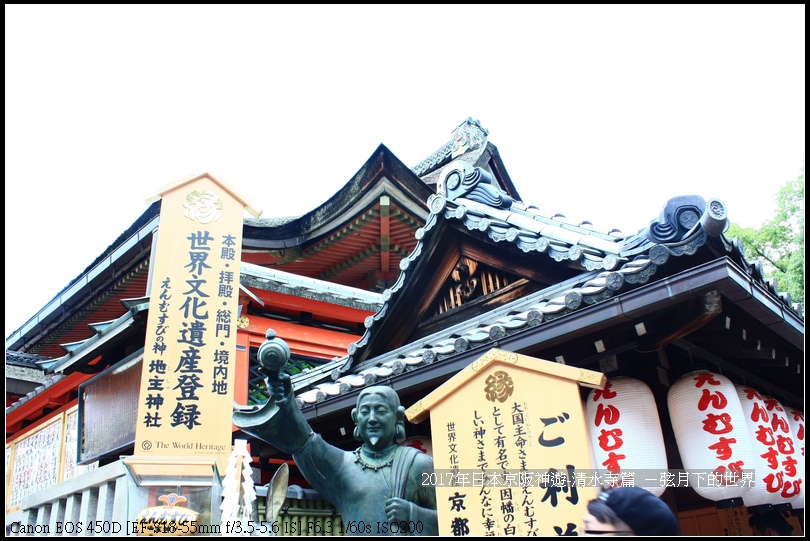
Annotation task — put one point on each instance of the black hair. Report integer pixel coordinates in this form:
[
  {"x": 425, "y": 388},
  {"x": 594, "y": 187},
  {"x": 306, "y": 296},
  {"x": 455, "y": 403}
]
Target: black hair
[{"x": 602, "y": 512}]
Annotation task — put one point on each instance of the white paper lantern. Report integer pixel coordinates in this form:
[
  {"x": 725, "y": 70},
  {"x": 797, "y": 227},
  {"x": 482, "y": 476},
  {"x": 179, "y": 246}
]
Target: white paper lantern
[
  {"x": 796, "y": 421},
  {"x": 712, "y": 436},
  {"x": 421, "y": 443},
  {"x": 769, "y": 470},
  {"x": 789, "y": 487},
  {"x": 625, "y": 434}
]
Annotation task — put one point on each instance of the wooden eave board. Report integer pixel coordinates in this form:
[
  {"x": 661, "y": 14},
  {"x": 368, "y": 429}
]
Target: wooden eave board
[
  {"x": 191, "y": 178},
  {"x": 587, "y": 378}
]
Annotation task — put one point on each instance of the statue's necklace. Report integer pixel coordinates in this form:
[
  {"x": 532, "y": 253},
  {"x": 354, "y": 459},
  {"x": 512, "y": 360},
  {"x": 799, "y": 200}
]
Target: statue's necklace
[{"x": 364, "y": 464}]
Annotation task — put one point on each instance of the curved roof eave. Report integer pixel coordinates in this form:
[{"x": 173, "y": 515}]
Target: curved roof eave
[
  {"x": 520, "y": 324},
  {"x": 132, "y": 244},
  {"x": 382, "y": 174},
  {"x": 608, "y": 260}
]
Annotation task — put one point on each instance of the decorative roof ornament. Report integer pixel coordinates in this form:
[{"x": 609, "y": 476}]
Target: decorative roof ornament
[
  {"x": 460, "y": 179},
  {"x": 680, "y": 217},
  {"x": 685, "y": 222},
  {"x": 468, "y": 136}
]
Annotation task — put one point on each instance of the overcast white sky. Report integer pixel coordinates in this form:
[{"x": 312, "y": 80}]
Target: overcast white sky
[{"x": 600, "y": 113}]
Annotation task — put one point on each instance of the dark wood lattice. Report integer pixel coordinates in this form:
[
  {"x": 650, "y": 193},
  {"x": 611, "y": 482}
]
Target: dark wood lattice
[
  {"x": 257, "y": 390},
  {"x": 469, "y": 281}
]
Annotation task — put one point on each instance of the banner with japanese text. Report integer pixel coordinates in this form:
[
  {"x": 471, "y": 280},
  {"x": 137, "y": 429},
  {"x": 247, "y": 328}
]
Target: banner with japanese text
[
  {"x": 187, "y": 382},
  {"x": 510, "y": 447}
]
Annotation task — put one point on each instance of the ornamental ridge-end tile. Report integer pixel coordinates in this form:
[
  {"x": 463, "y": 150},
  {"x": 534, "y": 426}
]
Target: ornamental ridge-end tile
[
  {"x": 397, "y": 366},
  {"x": 429, "y": 356},
  {"x": 461, "y": 344},
  {"x": 535, "y": 316},
  {"x": 573, "y": 299},
  {"x": 497, "y": 332}
]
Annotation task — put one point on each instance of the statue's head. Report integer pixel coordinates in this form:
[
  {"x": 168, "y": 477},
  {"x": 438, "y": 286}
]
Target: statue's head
[{"x": 378, "y": 417}]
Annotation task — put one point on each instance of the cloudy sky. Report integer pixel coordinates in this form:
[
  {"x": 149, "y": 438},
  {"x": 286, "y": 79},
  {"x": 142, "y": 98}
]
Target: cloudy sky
[{"x": 600, "y": 113}]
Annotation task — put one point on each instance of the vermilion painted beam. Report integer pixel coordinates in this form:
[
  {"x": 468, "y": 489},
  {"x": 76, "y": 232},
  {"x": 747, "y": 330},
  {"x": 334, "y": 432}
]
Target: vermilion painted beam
[
  {"x": 57, "y": 395},
  {"x": 303, "y": 340},
  {"x": 299, "y": 304}
]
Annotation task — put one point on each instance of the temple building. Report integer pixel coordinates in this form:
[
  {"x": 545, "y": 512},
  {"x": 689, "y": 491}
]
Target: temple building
[{"x": 404, "y": 277}]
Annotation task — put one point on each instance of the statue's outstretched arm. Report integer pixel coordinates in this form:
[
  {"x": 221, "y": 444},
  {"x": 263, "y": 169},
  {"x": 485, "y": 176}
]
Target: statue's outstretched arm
[{"x": 279, "y": 421}]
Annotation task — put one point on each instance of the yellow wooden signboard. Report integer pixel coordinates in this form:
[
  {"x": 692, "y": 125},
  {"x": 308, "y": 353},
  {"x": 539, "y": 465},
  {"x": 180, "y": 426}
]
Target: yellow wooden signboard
[
  {"x": 187, "y": 383},
  {"x": 510, "y": 447}
]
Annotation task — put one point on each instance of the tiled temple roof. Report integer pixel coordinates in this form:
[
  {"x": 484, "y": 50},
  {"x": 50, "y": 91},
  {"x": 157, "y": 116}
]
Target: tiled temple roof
[
  {"x": 610, "y": 263},
  {"x": 25, "y": 360},
  {"x": 39, "y": 390},
  {"x": 309, "y": 288}
]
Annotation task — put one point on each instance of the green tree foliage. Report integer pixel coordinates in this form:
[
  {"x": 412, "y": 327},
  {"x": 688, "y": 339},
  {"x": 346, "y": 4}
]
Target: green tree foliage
[{"x": 779, "y": 242}]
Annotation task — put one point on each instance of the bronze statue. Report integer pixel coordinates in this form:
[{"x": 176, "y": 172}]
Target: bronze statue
[{"x": 378, "y": 487}]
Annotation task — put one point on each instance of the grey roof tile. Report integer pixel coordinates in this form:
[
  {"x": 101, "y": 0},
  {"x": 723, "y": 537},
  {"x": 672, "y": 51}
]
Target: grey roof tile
[
  {"x": 50, "y": 382},
  {"x": 26, "y": 360},
  {"x": 604, "y": 272}
]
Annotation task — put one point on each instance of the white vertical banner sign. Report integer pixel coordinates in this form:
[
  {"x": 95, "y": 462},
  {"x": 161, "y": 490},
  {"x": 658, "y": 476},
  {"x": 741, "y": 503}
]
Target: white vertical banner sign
[{"x": 187, "y": 381}]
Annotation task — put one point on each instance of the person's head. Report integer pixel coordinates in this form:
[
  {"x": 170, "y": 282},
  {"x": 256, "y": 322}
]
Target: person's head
[
  {"x": 629, "y": 511},
  {"x": 379, "y": 417},
  {"x": 770, "y": 523}
]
